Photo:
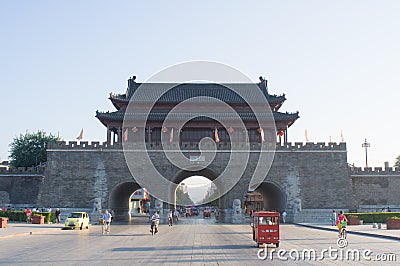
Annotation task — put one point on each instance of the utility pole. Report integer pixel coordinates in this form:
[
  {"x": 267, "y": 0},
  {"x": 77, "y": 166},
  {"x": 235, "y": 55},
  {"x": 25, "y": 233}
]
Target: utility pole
[{"x": 366, "y": 145}]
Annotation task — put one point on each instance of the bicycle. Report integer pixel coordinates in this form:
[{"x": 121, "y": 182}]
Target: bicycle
[
  {"x": 342, "y": 241},
  {"x": 154, "y": 227},
  {"x": 343, "y": 233},
  {"x": 105, "y": 227},
  {"x": 29, "y": 218}
]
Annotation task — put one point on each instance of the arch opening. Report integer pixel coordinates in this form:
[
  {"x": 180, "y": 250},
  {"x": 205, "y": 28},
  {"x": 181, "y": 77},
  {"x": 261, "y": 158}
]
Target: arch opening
[
  {"x": 202, "y": 192},
  {"x": 139, "y": 203},
  {"x": 120, "y": 200},
  {"x": 268, "y": 196}
]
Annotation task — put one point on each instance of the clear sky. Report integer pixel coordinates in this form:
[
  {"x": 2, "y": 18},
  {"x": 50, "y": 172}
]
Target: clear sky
[
  {"x": 197, "y": 187},
  {"x": 338, "y": 62}
]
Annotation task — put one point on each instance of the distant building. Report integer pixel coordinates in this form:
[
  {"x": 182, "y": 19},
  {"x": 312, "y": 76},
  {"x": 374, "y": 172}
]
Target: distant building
[
  {"x": 211, "y": 190},
  {"x": 254, "y": 201},
  {"x": 140, "y": 201},
  {"x": 183, "y": 187}
]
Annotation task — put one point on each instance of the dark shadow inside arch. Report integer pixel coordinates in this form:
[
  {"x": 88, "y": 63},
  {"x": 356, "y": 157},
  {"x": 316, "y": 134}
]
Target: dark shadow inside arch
[
  {"x": 207, "y": 173},
  {"x": 120, "y": 198},
  {"x": 274, "y": 197}
]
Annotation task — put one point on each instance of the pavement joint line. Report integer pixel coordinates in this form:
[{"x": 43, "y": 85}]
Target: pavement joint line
[
  {"x": 349, "y": 232},
  {"x": 22, "y": 234},
  {"x": 29, "y": 233}
]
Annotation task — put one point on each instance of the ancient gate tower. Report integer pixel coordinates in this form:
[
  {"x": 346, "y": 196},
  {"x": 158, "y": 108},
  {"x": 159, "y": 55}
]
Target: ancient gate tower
[{"x": 301, "y": 176}]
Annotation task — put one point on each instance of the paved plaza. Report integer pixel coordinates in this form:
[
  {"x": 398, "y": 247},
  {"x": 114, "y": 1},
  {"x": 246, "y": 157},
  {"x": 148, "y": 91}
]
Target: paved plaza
[{"x": 190, "y": 242}]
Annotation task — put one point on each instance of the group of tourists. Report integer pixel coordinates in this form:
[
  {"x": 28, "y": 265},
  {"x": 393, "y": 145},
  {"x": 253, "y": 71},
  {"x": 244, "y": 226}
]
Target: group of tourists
[{"x": 173, "y": 217}]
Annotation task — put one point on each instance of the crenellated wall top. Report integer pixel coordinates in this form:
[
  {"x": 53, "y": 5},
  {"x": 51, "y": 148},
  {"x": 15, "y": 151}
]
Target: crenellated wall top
[
  {"x": 369, "y": 171},
  {"x": 23, "y": 170},
  {"x": 297, "y": 146}
]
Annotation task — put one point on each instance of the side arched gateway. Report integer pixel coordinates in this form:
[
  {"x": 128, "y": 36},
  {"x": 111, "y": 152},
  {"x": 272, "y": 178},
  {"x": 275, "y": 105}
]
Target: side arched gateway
[{"x": 120, "y": 198}]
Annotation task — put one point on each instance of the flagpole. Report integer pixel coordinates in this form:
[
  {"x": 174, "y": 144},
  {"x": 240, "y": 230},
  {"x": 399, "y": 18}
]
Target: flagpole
[{"x": 366, "y": 145}]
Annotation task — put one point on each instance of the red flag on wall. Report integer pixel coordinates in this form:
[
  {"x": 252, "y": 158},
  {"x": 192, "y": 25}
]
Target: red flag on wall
[
  {"x": 80, "y": 135},
  {"x": 261, "y": 131},
  {"x": 216, "y": 135},
  {"x": 171, "y": 135},
  {"x": 126, "y": 135}
]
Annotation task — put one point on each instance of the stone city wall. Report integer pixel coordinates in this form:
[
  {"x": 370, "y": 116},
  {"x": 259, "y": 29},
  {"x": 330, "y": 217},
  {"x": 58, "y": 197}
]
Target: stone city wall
[
  {"x": 312, "y": 172},
  {"x": 376, "y": 186},
  {"x": 20, "y": 185}
]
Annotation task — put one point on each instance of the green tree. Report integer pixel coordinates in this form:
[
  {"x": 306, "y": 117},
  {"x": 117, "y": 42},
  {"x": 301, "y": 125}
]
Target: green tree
[
  {"x": 182, "y": 198},
  {"x": 397, "y": 164},
  {"x": 30, "y": 149},
  {"x": 212, "y": 199}
]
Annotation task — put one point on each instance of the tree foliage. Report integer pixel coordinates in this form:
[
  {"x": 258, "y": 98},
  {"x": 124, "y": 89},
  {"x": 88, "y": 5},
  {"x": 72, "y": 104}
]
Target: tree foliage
[
  {"x": 182, "y": 198},
  {"x": 397, "y": 164},
  {"x": 29, "y": 149},
  {"x": 212, "y": 199}
]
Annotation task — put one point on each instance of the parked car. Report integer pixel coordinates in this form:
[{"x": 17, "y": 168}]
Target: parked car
[{"x": 77, "y": 220}]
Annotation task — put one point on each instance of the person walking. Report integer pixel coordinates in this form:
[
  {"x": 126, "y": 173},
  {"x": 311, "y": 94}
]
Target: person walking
[
  {"x": 284, "y": 216},
  {"x": 176, "y": 215},
  {"x": 170, "y": 218},
  {"x": 334, "y": 218},
  {"x": 112, "y": 215},
  {"x": 58, "y": 214}
]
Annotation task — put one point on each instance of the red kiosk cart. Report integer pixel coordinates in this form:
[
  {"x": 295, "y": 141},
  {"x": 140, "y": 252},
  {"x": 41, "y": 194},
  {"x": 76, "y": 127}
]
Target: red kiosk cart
[{"x": 265, "y": 227}]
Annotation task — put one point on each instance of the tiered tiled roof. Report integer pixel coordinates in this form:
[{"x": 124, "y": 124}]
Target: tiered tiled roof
[
  {"x": 161, "y": 115},
  {"x": 182, "y": 92},
  {"x": 177, "y": 93}
]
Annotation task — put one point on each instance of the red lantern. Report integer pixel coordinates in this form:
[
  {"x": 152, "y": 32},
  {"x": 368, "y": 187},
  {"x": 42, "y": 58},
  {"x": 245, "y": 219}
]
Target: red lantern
[
  {"x": 281, "y": 133},
  {"x": 165, "y": 129}
]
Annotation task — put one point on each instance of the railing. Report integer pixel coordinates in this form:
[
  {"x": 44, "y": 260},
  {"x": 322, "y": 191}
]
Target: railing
[{"x": 297, "y": 146}]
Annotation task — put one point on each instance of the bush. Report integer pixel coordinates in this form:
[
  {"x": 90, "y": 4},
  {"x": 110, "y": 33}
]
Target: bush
[
  {"x": 374, "y": 217},
  {"x": 20, "y": 216},
  {"x": 48, "y": 216}
]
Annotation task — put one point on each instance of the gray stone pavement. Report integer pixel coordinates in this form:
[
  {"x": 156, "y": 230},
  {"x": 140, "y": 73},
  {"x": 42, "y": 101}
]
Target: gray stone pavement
[
  {"x": 19, "y": 229},
  {"x": 190, "y": 242}
]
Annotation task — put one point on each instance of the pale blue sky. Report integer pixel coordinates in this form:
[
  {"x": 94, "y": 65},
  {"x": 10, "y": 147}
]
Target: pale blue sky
[{"x": 338, "y": 62}]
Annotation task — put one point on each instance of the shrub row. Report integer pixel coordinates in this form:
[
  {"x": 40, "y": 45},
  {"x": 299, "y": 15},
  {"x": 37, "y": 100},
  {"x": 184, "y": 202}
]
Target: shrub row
[
  {"x": 20, "y": 216},
  {"x": 374, "y": 217}
]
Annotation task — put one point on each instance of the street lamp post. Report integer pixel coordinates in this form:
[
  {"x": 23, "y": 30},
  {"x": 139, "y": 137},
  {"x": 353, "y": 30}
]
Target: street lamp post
[{"x": 366, "y": 145}]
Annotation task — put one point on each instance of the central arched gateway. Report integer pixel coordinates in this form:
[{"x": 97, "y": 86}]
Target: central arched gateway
[{"x": 184, "y": 174}]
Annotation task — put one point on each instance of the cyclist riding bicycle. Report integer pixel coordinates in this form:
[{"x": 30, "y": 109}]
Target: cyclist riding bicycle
[
  {"x": 28, "y": 213},
  {"x": 341, "y": 222},
  {"x": 155, "y": 219},
  {"x": 107, "y": 220}
]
